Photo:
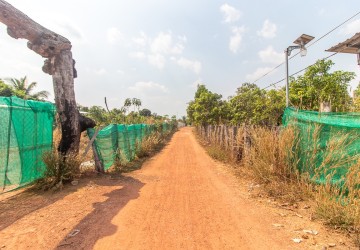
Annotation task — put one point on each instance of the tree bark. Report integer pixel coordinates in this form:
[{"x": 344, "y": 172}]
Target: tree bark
[{"x": 59, "y": 64}]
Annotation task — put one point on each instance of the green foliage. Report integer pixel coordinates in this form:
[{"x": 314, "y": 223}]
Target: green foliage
[
  {"x": 247, "y": 105},
  {"x": 121, "y": 115},
  {"x": 251, "y": 105},
  {"x": 356, "y": 104},
  {"x": 207, "y": 108},
  {"x": 145, "y": 112},
  {"x": 319, "y": 85},
  {"x": 5, "y": 90},
  {"x": 22, "y": 89}
]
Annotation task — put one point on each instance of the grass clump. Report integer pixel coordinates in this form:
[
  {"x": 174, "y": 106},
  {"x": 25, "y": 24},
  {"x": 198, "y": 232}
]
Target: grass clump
[
  {"x": 59, "y": 169},
  {"x": 149, "y": 145},
  {"x": 218, "y": 153},
  {"x": 272, "y": 160},
  {"x": 301, "y": 164}
]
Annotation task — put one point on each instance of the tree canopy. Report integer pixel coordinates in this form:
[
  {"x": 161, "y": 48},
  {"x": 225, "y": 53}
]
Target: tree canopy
[
  {"x": 319, "y": 85},
  {"x": 253, "y": 105},
  {"x": 22, "y": 89}
]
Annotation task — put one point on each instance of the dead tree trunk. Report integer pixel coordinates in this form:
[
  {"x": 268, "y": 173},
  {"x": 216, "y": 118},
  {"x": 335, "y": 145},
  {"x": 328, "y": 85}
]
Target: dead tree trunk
[{"x": 59, "y": 64}]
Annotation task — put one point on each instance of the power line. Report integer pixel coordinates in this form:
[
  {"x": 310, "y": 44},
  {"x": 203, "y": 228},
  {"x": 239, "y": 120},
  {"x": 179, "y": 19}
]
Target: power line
[
  {"x": 332, "y": 30},
  {"x": 327, "y": 57}
]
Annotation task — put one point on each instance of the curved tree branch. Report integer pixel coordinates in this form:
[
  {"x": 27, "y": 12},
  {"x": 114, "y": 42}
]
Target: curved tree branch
[{"x": 59, "y": 64}]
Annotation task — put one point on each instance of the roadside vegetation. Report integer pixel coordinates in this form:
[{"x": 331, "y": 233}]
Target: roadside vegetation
[{"x": 272, "y": 158}]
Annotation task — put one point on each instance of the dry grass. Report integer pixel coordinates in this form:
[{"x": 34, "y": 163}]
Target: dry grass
[
  {"x": 218, "y": 153},
  {"x": 59, "y": 169},
  {"x": 273, "y": 159},
  {"x": 149, "y": 145}
]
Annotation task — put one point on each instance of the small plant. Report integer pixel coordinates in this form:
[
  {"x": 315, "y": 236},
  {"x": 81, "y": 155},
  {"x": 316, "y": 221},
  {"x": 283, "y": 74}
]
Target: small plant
[
  {"x": 218, "y": 153},
  {"x": 121, "y": 161},
  {"x": 59, "y": 169},
  {"x": 149, "y": 145}
]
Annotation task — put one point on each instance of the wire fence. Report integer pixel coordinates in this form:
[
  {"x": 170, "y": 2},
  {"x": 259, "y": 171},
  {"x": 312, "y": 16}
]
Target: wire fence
[
  {"x": 119, "y": 141},
  {"x": 26, "y": 132}
]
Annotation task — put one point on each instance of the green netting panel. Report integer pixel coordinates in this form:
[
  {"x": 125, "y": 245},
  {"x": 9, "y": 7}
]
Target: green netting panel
[
  {"x": 25, "y": 134},
  {"x": 326, "y": 143},
  {"x": 120, "y": 141}
]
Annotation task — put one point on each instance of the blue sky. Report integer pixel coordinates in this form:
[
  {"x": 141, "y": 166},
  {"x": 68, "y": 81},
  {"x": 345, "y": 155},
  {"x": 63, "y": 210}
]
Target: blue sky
[{"x": 159, "y": 50}]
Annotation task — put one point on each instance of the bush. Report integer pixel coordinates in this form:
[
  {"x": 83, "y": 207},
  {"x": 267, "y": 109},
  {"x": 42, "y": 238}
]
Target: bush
[
  {"x": 59, "y": 169},
  {"x": 149, "y": 145}
]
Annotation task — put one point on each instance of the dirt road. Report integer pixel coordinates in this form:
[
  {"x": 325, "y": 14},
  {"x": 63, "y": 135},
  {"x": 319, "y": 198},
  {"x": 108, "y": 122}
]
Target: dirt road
[{"x": 180, "y": 199}]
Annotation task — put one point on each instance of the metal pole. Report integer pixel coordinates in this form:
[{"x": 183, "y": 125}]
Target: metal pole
[{"x": 287, "y": 76}]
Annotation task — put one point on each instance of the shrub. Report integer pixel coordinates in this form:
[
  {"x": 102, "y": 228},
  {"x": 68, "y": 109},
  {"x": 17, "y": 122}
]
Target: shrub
[{"x": 59, "y": 169}]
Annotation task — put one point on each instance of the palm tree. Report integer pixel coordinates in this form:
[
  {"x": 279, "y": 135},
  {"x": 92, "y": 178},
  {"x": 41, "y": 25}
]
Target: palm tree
[
  {"x": 127, "y": 104},
  {"x": 23, "y": 90},
  {"x": 137, "y": 103}
]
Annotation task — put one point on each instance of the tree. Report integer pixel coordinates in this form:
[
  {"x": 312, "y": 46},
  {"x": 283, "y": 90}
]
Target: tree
[
  {"x": 206, "y": 108},
  {"x": 274, "y": 107},
  {"x": 247, "y": 105},
  {"x": 356, "y": 103},
  {"x": 59, "y": 63},
  {"x": 136, "y": 103},
  {"x": 22, "y": 89},
  {"x": 127, "y": 104},
  {"x": 319, "y": 85},
  {"x": 145, "y": 112},
  {"x": 5, "y": 90}
]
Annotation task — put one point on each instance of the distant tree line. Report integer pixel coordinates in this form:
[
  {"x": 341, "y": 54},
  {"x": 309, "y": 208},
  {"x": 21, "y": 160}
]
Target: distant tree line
[
  {"x": 129, "y": 113},
  {"x": 253, "y": 105}
]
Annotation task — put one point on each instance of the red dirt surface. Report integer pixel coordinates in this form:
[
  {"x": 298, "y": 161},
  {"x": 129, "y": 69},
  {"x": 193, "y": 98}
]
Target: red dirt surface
[{"x": 179, "y": 199}]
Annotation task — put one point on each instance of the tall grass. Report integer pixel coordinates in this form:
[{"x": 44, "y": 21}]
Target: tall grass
[
  {"x": 296, "y": 165},
  {"x": 318, "y": 163}
]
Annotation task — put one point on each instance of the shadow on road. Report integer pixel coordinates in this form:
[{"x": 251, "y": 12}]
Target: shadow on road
[
  {"x": 97, "y": 224},
  {"x": 19, "y": 203}
]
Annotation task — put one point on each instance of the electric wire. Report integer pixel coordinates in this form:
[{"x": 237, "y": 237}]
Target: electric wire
[
  {"x": 297, "y": 72},
  {"x": 332, "y": 30}
]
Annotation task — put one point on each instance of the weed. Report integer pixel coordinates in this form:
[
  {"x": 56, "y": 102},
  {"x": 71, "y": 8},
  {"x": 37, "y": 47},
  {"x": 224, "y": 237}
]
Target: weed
[
  {"x": 218, "y": 153},
  {"x": 59, "y": 169},
  {"x": 149, "y": 145}
]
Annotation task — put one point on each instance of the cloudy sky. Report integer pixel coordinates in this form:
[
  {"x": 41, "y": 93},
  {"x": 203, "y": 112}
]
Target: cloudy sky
[{"x": 159, "y": 50}]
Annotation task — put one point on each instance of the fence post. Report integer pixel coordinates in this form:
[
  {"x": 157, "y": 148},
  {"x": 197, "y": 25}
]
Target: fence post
[
  {"x": 234, "y": 145},
  {"x": 247, "y": 142},
  {"x": 98, "y": 164}
]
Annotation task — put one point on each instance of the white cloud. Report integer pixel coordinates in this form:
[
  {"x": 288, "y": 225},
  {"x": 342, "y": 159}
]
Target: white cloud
[
  {"x": 230, "y": 13},
  {"x": 352, "y": 27},
  {"x": 157, "y": 60},
  {"x": 269, "y": 55},
  {"x": 114, "y": 35},
  {"x": 159, "y": 49},
  {"x": 148, "y": 86},
  {"x": 100, "y": 72},
  {"x": 257, "y": 73},
  {"x": 164, "y": 44},
  {"x": 138, "y": 55},
  {"x": 268, "y": 30},
  {"x": 190, "y": 64},
  {"x": 236, "y": 38},
  {"x": 142, "y": 40}
]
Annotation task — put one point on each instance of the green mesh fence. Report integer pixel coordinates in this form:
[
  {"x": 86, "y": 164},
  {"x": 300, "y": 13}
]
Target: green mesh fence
[
  {"x": 118, "y": 140},
  {"x": 25, "y": 134},
  {"x": 326, "y": 144}
]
